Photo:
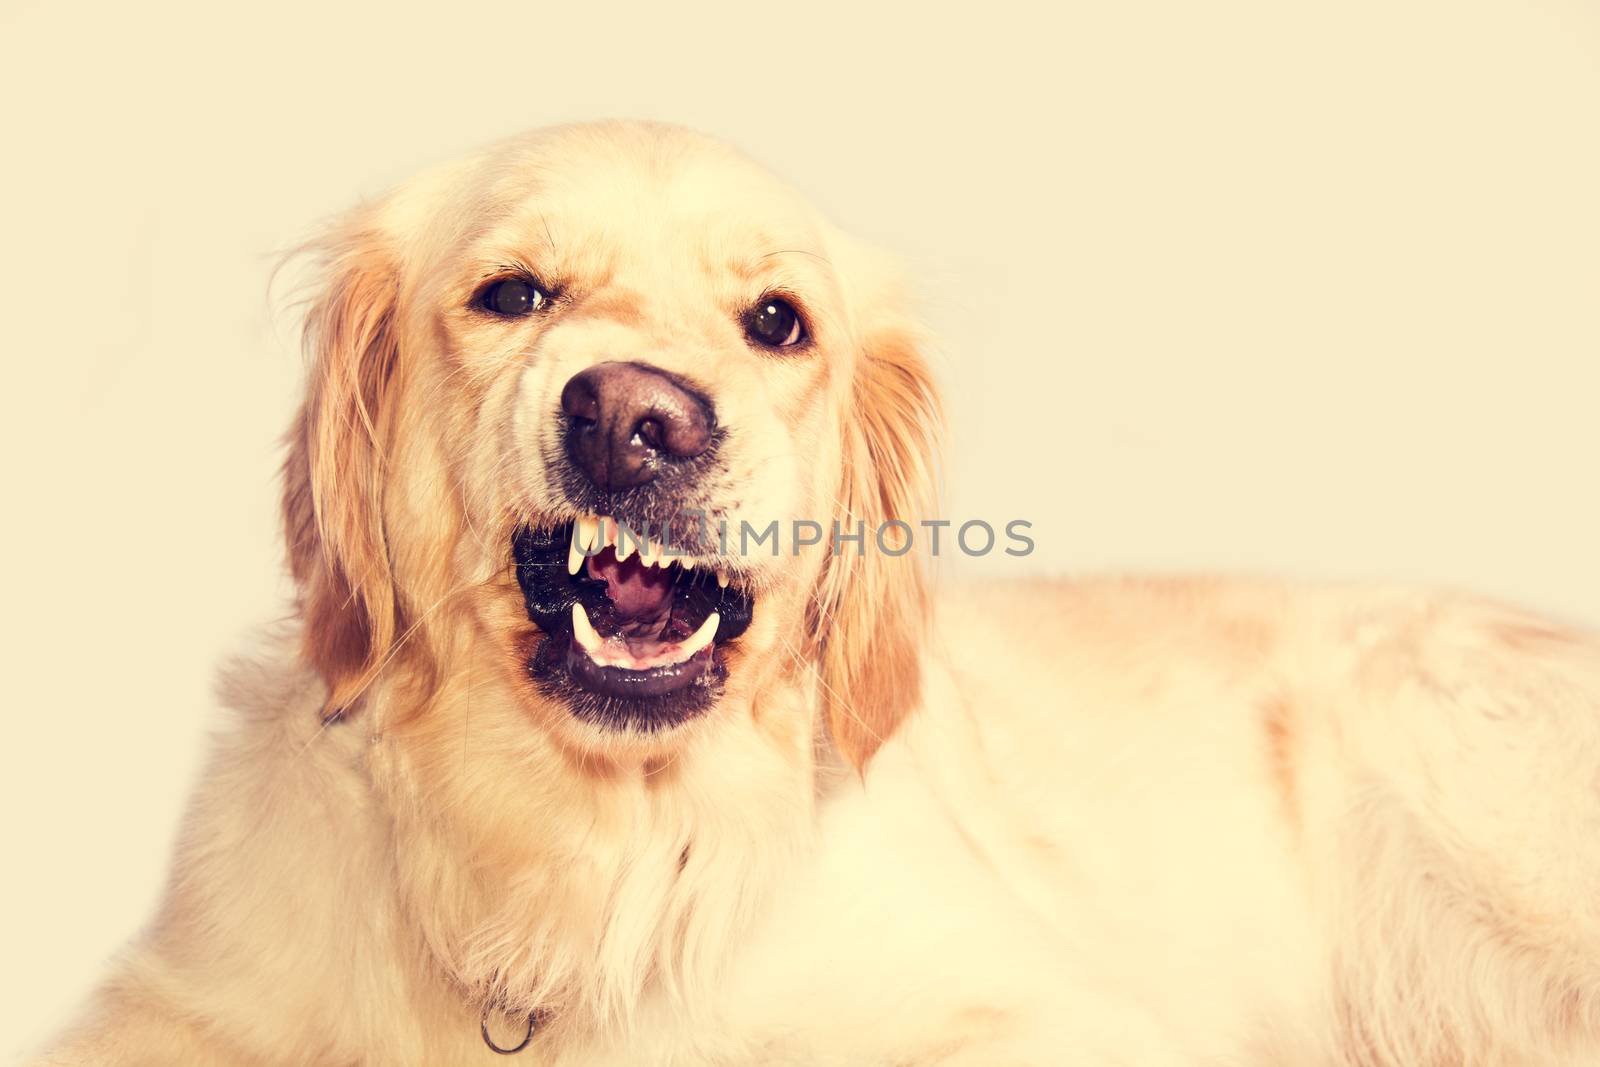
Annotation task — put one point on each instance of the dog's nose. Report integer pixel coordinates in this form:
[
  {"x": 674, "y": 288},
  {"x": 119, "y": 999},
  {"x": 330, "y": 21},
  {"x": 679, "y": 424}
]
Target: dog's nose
[{"x": 626, "y": 421}]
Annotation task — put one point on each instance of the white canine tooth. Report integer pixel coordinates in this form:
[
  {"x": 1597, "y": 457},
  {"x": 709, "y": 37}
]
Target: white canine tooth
[
  {"x": 722, "y": 578},
  {"x": 574, "y": 555},
  {"x": 701, "y": 637},
  {"x": 686, "y": 563},
  {"x": 584, "y": 630},
  {"x": 588, "y": 532}
]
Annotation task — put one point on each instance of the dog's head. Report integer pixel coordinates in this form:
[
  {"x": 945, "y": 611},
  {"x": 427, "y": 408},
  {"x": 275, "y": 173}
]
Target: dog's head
[{"x": 560, "y": 394}]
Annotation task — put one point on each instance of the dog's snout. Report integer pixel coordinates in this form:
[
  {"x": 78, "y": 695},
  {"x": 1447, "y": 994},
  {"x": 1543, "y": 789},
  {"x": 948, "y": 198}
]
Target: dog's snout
[{"x": 625, "y": 421}]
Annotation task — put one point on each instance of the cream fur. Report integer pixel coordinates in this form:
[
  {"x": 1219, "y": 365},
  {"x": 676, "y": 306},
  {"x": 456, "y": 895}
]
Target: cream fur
[{"x": 1110, "y": 822}]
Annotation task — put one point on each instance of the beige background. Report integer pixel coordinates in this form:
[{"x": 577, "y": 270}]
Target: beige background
[{"x": 1300, "y": 288}]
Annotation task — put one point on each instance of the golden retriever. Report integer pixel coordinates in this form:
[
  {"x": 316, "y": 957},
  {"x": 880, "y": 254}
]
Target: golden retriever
[{"x": 514, "y": 785}]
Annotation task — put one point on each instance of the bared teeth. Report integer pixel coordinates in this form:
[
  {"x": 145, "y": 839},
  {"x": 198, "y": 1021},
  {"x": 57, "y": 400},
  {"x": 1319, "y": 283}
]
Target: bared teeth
[
  {"x": 588, "y": 539},
  {"x": 574, "y": 555},
  {"x": 701, "y": 637},
  {"x": 594, "y": 646},
  {"x": 584, "y": 630},
  {"x": 586, "y": 531},
  {"x": 623, "y": 543},
  {"x": 593, "y": 534}
]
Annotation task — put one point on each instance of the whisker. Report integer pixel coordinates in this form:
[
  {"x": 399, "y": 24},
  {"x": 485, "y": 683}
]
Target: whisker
[{"x": 799, "y": 252}]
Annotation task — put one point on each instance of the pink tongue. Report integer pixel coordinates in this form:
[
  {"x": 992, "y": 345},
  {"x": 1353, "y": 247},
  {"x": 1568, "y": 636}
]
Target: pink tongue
[{"x": 636, "y": 591}]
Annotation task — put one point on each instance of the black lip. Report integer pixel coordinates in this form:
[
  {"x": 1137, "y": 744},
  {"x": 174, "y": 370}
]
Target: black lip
[
  {"x": 645, "y": 701},
  {"x": 623, "y": 684}
]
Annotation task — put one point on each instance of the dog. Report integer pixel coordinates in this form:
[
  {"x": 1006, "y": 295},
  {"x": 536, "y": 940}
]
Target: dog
[{"x": 549, "y": 766}]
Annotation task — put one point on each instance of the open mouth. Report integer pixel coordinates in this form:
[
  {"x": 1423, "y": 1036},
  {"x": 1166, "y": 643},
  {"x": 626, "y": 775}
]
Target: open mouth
[{"x": 633, "y": 634}]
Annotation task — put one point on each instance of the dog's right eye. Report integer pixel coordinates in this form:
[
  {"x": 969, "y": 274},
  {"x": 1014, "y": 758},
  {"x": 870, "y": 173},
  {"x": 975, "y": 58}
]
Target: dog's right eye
[{"x": 511, "y": 298}]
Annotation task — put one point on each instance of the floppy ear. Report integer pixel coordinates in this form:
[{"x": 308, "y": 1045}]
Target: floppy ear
[
  {"x": 872, "y": 608},
  {"x": 333, "y": 477}
]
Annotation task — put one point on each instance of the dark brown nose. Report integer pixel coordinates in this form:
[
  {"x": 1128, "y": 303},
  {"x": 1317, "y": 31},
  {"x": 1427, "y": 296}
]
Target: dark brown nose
[{"x": 626, "y": 421}]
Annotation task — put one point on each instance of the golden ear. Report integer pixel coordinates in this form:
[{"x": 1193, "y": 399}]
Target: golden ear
[
  {"x": 872, "y": 608},
  {"x": 333, "y": 477}
]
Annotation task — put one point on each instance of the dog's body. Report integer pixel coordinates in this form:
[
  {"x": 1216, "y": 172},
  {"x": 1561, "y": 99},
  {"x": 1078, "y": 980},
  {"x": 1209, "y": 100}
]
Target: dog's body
[{"x": 1119, "y": 822}]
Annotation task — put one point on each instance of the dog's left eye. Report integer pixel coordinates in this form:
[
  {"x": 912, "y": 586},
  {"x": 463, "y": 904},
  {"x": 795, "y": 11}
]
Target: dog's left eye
[
  {"x": 775, "y": 323},
  {"x": 511, "y": 297}
]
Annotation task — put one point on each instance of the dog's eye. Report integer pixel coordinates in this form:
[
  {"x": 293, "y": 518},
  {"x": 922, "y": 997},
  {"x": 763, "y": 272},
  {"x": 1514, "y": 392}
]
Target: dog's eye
[
  {"x": 775, "y": 323},
  {"x": 511, "y": 297}
]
